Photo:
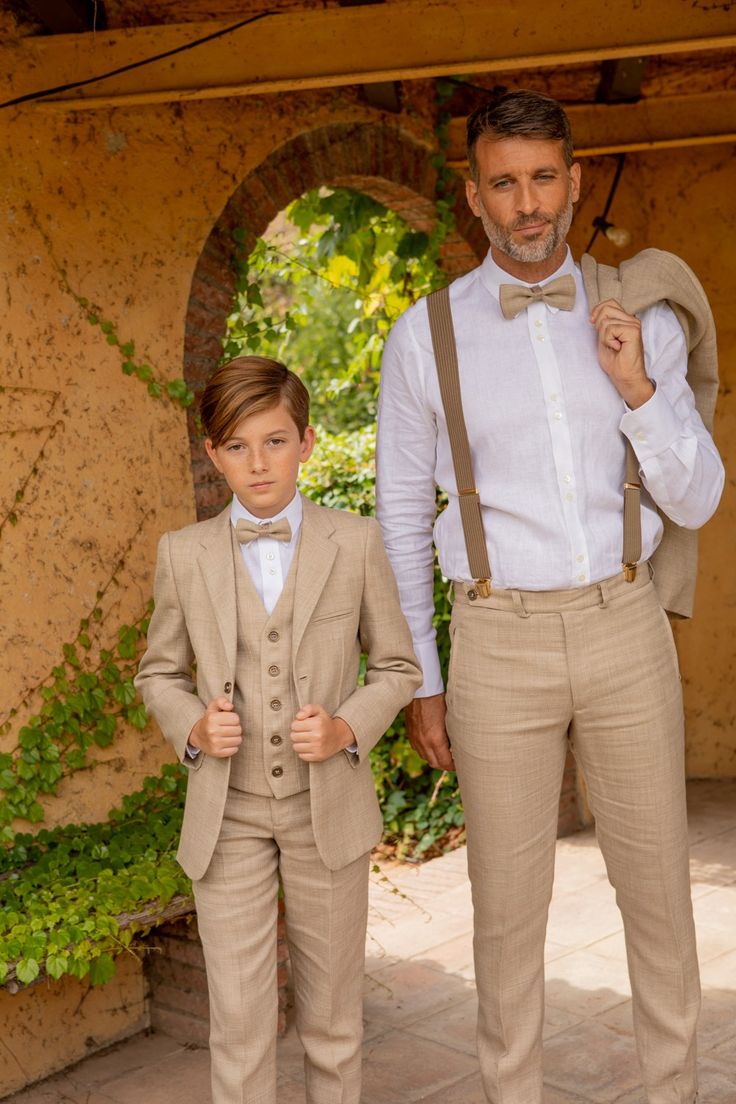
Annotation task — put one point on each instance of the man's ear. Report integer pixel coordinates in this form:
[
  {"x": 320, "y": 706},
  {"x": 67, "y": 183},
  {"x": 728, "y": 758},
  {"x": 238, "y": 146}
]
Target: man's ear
[
  {"x": 575, "y": 175},
  {"x": 471, "y": 194}
]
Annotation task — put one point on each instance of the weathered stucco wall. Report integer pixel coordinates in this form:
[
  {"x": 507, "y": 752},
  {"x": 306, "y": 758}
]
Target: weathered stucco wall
[{"x": 123, "y": 201}]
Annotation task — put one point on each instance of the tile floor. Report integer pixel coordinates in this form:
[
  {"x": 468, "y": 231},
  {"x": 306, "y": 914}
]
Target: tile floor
[{"x": 420, "y": 1003}]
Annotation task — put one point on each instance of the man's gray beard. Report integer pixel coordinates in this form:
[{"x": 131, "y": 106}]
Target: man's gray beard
[{"x": 534, "y": 251}]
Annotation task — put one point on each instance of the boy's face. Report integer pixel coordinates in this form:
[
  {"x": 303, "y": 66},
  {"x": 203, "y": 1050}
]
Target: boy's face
[{"x": 260, "y": 461}]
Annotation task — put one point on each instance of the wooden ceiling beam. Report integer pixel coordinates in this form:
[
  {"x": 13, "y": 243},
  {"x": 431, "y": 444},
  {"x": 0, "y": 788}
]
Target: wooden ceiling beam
[
  {"x": 405, "y": 39},
  {"x": 671, "y": 121}
]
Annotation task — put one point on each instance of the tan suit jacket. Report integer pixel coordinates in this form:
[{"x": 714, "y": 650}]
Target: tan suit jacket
[
  {"x": 647, "y": 278},
  {"x": 345, "y": 600}
]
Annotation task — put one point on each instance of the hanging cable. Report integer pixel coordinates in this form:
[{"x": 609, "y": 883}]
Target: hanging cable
[
  {"x": 601, "y": 223},
  {"x": 44, "y": 92}
]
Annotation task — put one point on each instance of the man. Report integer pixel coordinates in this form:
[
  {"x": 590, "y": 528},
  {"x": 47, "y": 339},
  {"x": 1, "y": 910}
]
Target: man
[{"x": 566, "y": 642}]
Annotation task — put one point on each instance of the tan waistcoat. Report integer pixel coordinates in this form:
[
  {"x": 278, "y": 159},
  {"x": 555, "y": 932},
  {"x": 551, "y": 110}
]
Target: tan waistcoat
[{"x": 264, "y": 695}]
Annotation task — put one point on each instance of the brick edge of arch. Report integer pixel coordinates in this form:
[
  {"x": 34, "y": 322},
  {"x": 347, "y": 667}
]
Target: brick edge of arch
[{"x": 378, "y": 158}]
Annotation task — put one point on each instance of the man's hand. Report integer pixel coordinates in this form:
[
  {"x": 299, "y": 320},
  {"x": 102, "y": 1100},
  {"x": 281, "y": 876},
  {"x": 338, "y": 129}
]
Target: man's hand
[
  {"x": 425, "y": 727},
  {"x": 316, "y": 736},
  {"x": 621, "y": 352},
  {"x": 218, "y": 732}
]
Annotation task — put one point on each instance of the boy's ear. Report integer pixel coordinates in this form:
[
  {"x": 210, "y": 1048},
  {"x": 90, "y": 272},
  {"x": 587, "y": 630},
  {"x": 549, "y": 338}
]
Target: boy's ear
[
  {"x": 307, "y": 445},
  {"x": 210, "y": 450}
]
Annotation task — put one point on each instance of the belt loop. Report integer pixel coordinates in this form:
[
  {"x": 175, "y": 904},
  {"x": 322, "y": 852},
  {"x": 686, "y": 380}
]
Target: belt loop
[
  {"x": 519, "y": 609},
  {"x": 603, "y": 604}
]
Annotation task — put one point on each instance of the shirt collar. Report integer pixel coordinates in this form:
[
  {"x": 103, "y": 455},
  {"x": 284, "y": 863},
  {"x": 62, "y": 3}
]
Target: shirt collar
[
  {"x": 493, "y": 276},
  {"x": 293, "y": 514}
]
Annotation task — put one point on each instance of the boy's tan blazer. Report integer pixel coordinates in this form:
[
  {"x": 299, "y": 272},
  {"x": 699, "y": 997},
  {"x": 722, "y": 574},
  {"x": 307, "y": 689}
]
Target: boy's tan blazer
[{"x": 345, "y": 597}]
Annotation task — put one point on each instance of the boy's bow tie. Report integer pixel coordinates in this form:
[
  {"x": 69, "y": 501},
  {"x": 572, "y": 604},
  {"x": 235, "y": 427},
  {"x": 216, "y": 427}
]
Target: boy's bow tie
[
  {"x": 247, "y": 531},
  {"x": 515, "y": 298}
]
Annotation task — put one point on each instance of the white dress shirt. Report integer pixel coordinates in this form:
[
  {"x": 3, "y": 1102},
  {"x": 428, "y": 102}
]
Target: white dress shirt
[
  {"x": 547, "y": 435},
  {"x": 268, "y": 560}
]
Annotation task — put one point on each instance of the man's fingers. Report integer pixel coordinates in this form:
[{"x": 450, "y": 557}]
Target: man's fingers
[{"x": 220, "y": 705}]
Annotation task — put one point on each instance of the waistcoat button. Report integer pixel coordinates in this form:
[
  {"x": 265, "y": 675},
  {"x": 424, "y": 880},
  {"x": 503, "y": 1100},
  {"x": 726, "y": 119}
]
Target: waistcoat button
[
  {"x": 274, "y": 670},
  {"x": 276, "y": 739},
  {"x": 277, "y": 772},
  {"x": 228, "y": 687},
  {"x": 275, "y": 704},
  {"x": 273, "y": 636}
]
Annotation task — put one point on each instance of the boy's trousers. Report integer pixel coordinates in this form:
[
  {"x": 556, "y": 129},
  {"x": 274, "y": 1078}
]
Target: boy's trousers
[
  {"x": 326, "y": 915},
  {"x": 525, "y": 667}
]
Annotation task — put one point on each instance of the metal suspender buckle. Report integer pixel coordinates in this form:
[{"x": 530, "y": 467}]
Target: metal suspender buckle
[
  {"x": 483, "y": 586},
  {"x": 630, "y": 572}
]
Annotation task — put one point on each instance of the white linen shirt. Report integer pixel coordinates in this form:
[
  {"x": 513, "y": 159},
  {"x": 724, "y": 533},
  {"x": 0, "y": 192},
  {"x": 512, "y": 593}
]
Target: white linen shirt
[
  {"x": 267, "y": 560},
  {"x": 547, "y": 435}
]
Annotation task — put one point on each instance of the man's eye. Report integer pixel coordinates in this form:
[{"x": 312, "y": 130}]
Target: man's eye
[{"x": 276, "y": 441}]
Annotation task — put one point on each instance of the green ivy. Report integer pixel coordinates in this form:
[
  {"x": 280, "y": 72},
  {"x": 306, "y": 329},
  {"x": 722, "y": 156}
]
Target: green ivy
[
  {"x": 75, "y": 897},
  {"x": 83, "y": 701}
]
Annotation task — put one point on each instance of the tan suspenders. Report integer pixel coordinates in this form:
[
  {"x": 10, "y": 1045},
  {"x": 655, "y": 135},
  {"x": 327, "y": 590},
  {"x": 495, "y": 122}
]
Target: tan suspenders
[{"x": 445, "y": 355}]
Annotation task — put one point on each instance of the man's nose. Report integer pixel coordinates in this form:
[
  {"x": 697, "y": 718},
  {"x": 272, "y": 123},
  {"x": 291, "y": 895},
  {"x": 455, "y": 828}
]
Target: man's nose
[{"x": 526, "y": 198}]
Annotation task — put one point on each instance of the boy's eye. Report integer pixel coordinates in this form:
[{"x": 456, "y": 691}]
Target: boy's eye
[
  {"x": 234, "y": 447},
  {"x": 276, "y": 441}
]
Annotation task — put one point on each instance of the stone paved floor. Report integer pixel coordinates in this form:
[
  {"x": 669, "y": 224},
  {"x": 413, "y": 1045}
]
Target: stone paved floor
[{"x": 420, "y": 1005}]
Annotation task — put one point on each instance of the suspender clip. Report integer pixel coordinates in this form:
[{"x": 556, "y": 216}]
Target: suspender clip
[
  {"x": 629, "y": 572},
  {"x": 483, "y": 586}
]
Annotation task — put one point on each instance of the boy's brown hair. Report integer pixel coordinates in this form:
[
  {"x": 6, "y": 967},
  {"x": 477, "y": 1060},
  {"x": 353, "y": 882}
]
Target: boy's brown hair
[{"x": 248, "y": 385}]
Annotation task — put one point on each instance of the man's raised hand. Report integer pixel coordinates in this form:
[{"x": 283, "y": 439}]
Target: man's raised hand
[{"x": 218, "y": 732}]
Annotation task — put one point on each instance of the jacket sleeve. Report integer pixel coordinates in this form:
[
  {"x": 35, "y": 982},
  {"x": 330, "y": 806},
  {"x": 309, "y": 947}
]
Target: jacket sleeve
[
  {"x": 164, "y": 677},
  {"x": 392, "y": 672}
]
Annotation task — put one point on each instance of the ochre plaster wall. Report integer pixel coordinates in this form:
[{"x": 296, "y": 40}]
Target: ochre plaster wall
[
  {"x": 55, "y": 1023},
  {"x": 123, "y": 201}
]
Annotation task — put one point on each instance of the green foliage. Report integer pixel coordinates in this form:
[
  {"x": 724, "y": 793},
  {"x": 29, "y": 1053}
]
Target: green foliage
[
  {"x": 324, "y": 298},
  {"x": 175, "y": 390},
  {"x": 71, "y": 898},
  {"x": 84, "y": 698}
]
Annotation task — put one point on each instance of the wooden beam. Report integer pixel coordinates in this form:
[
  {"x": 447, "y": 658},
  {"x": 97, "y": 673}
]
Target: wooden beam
[
  {"x": 404, "y": 39},
  {"x": 704, "y": 119}
]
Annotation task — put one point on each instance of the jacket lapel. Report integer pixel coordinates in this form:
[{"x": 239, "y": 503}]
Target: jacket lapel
[
  {"x": 316, "y": 556},
  {"x": 218, "y": 571}
]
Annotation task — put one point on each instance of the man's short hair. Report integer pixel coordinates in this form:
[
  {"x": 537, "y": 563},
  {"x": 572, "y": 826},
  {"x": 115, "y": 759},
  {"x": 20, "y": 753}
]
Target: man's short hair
[
  {"x": 248, "y": 385},
  {"x": 519, "y": 114}
]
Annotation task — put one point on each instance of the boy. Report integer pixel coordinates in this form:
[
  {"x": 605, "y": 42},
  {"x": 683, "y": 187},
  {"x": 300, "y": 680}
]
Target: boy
[{"x": 274, "y": 599}]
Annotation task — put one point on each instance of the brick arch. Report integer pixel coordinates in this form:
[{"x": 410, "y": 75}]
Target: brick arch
[{"x": 376, "y": 158}]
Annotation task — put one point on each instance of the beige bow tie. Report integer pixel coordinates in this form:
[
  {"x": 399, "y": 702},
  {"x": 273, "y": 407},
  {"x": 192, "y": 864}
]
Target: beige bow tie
[
  {"x": 247, "y": 531},
  {"x": 515, "y": 298}
]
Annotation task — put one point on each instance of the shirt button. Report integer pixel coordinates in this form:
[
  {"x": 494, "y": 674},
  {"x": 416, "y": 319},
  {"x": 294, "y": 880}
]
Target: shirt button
[
  {"x": 275, "y": 705},
  {"x": 582, "y": 577},
  {"x": 227, "y": 687},
  {"x": 580, "y": 558},
  {"x": 274, "y": 670},
  {"x": 568, "y": 479},
  {"x": 540, "y": 337},
  {"x": 537, "y": 323},
  {"x": 272, "y": 571},
  {"x": 277, "y": 772},
  {"x": 570, "y": 496},
  {"x": 269, "y": 555},
  {"x": 273, "y": 636},
  {"x": 553, "y": 397},
  {"x": 641, "y": 436},
  {"x": 276, "y": 739},
  {"x": 558, "y": 417}
]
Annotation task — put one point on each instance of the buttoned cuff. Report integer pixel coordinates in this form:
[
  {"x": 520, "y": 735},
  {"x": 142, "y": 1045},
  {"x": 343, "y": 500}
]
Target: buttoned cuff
[
  {"x": 429, "y": 661},
  {"x": 192, "y": 752},
  {"x": 652, "y": 428}
]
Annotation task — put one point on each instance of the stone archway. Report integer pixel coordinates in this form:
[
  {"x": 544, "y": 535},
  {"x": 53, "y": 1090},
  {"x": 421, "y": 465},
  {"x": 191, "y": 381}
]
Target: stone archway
[{"x": 379, "y": 159}]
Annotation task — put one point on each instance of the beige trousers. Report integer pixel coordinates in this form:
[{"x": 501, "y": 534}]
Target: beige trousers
[
  {"x": 525, "y": 668},
  {"x": 326, "y": 915}
]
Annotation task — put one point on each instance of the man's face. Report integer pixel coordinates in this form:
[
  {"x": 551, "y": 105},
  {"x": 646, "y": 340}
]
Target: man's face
[
  {"x": 260, "y": 461},
  {"x": 524, "y": 196}
]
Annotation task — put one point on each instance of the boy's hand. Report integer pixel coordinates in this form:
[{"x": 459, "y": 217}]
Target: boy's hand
[
  {"x": 316, "y": 735},
  {"x": 218, "y": 733}
]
